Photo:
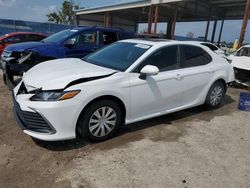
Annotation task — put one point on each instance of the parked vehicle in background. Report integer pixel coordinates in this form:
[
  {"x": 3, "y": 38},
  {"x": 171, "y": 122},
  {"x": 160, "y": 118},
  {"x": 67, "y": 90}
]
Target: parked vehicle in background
[
  {"x": 77, "y": 42},
  {"x": 241, "y": 63},
  {"x": 223, "y": 47},
  {"x": 214, "y": 48},
  {"x": 17, "y": 37},
  {"x": 125, "y": 82}
]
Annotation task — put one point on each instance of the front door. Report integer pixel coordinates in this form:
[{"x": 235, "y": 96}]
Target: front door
[
  {"x": 156, "y": 94},
  {"x": 83, "y": 44}
]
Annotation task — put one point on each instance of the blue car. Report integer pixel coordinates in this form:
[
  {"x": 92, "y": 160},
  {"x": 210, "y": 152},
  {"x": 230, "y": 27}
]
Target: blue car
[{"x": 77, "y": 42}]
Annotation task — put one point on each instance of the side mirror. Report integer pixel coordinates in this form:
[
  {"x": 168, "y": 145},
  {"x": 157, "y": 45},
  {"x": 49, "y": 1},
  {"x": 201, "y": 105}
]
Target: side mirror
[
  {"x": 69, "y": 43},
  {"x": 148, "y": 70}
]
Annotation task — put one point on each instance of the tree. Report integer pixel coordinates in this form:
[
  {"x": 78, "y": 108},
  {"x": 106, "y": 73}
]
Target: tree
[
  {"x": 65, "y": 15},
  {"x": 190, "y": 35}
]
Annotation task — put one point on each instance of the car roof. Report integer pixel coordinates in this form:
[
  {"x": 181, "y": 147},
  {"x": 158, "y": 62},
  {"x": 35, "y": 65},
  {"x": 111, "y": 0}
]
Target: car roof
[
  {"x": 202, "y": 42},
  {"x": 82, "y": 28},
  {"x": 160, "y": 42}
]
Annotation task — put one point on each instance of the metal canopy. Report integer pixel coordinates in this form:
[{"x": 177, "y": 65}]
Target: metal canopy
[
  {"x": 128, "y": 15},
  {"x": 188, "y": 10}
]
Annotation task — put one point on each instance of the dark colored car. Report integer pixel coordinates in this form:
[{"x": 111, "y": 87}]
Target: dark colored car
[
  {"x": 18, "y": 37},
  {"x": 77, "y": 42}
]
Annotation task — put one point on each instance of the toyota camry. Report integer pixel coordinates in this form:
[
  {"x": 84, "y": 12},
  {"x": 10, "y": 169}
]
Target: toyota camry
[{"x": 123, "y": 83}]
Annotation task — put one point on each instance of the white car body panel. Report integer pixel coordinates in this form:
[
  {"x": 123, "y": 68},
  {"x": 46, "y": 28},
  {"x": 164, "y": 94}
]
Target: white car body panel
[{"x": 164, "y": 93}]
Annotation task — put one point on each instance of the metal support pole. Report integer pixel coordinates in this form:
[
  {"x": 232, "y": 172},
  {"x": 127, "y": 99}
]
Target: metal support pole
[
  {"x": 136, "y": 28},
  {"x": 150, "y": 19},
  {"x": 108, "y": 19},
  {"x": 105, "y": 20},
  {"x": 77, "y": 20},
  {"x": 174, "y": 24},
  {"x": 244, "y": 23},
  {"x": 207, "y": 29},
  {"x": 214, "y": 30},
  {"x": 169, "y": 29},
  {"x": 156, "y": 19},
  {"x": 221, "y": 29}
]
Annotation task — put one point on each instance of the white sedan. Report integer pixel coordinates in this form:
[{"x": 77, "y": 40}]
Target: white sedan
[
  {"x": 241, "y": 63},
  {"x": 126, "y": 82}
]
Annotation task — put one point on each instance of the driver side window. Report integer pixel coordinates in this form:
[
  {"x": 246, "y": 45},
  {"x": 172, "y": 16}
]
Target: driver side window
[
  {"x": 87, "y": 37},
  {"x": 165, "y": 59}
]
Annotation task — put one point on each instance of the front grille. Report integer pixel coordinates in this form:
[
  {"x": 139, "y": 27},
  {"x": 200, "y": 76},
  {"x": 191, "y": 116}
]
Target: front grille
[{"x": 32, "y": 121}]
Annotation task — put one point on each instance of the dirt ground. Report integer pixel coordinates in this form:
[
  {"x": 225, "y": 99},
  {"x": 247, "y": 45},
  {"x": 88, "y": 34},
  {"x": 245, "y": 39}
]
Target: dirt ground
[{"x": 191, "y": 148}]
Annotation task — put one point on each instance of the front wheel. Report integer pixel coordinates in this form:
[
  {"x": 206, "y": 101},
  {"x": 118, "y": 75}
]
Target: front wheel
[
  {"x": 100, "y": 120},
  {"x": 215, "y": 95}
]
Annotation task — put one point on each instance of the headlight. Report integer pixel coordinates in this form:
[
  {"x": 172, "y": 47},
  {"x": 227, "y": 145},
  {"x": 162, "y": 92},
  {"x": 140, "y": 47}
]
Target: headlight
[{"x": 54, "y": 95}]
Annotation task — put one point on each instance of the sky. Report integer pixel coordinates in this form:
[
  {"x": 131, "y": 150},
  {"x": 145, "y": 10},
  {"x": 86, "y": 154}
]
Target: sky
[{"x": 36, "y": 10}]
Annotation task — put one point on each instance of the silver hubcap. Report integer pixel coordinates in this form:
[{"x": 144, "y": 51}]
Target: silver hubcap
[
  {"x": 216, "y": 95},
  {"x": 102, "y": 121}
]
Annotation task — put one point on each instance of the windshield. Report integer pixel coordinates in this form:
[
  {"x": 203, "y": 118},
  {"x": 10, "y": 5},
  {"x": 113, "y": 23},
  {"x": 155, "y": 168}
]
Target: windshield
[
  {"x": 60, "y": 36},
  {"x": 244, "y": 51},
  {"x": 118, "y": 56}
]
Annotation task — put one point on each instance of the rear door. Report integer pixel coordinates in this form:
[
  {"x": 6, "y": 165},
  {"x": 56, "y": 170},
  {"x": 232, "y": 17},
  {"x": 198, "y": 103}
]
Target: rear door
[
  {"x": 84, "y": 43},
  {"x": 195, "y": 73}
]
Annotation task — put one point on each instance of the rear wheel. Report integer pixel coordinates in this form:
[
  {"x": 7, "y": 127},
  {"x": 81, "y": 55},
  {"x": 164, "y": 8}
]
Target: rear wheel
[
  {"x": 215, "y": 95},
  {"x": 100, "y": 120}
]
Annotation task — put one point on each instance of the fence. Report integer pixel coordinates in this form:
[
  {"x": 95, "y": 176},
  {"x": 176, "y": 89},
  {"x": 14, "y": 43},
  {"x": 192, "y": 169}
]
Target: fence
[{"x": 8, "y": 26}]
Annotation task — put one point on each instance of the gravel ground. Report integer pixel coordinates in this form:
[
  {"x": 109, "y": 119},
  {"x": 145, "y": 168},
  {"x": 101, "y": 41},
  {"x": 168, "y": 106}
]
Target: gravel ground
[{"x": 191, "y": 148}]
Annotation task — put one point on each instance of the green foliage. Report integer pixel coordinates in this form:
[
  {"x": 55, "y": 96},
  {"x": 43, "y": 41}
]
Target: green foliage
[{"x": 65, "y": 15}]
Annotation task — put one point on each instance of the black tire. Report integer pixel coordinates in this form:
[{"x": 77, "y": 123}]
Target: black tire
[
  {"x": 88, "y": 114},
  {"x": 217, "y": 90}
]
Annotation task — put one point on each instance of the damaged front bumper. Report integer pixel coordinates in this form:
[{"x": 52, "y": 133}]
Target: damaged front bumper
[{"x": 242, "y": 76}]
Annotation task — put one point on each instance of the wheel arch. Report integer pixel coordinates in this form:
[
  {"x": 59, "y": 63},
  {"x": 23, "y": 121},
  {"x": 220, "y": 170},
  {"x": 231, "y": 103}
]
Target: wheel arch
[
  {"x": 100, "y": 98},
  {"x": 222, "y": 80}
]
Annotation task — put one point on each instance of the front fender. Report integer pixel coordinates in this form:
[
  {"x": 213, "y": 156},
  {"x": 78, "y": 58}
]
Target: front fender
[{"x": 53, "y": 52}]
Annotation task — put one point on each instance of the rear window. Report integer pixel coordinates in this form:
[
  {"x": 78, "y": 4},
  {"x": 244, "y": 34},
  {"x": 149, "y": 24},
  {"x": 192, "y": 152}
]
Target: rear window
[
  {"x": 212, "y": 47},
  {"x": 243, "y": 52},
  {"x": 192, "y": 56}
]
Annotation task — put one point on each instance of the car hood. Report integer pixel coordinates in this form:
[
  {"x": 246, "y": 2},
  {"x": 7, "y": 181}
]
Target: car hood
[
  {"x": 241, "y": 62},
  {"x": 58, "y": 74},
  {"x": 20, "y": 47}
]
